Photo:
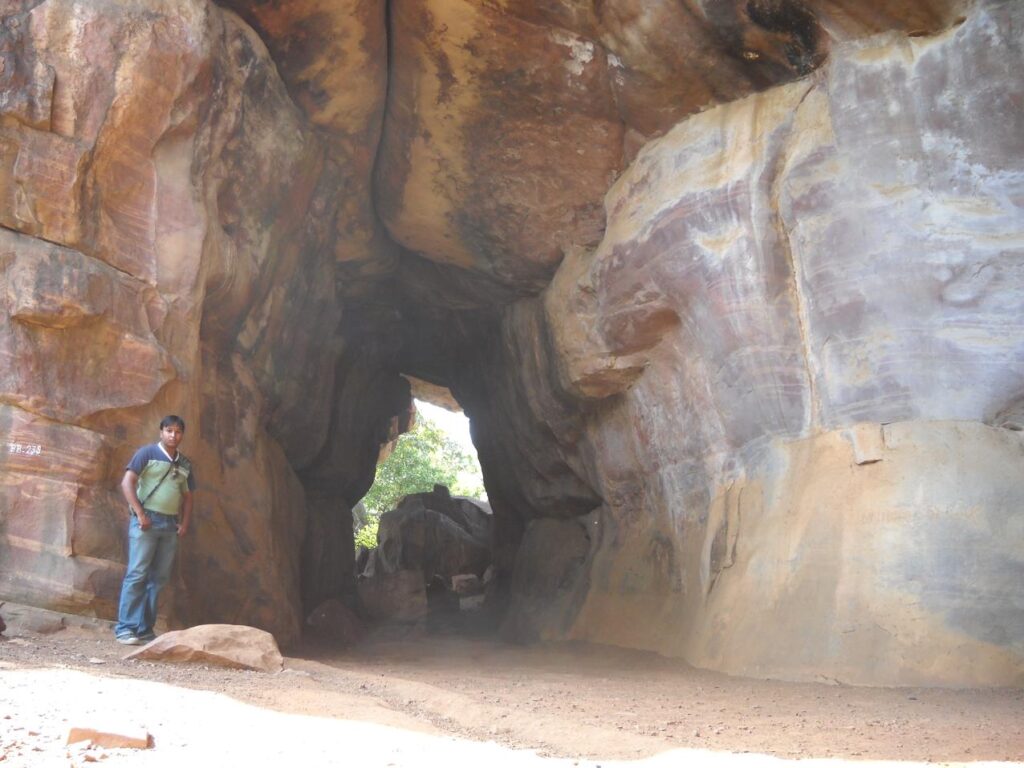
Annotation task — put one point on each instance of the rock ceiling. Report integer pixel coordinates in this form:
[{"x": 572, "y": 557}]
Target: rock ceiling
[{"x": 484, "y": 135}]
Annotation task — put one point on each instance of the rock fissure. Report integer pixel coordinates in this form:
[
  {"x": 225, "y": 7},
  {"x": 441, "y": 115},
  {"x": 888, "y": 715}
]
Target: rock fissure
[{"x": 783, "y": 231}]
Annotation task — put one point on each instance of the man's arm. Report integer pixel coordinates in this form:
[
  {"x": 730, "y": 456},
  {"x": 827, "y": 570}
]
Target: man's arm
[
  {"x": 186, "y": 513},
  {"x": 128, "y": 484}
]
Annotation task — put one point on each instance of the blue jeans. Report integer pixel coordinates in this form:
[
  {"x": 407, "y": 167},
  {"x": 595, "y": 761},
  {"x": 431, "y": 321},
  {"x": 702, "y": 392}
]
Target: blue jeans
[{"x": 150, "y": 557}]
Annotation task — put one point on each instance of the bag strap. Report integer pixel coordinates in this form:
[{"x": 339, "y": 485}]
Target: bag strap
[{"x": 142, "y": 502}]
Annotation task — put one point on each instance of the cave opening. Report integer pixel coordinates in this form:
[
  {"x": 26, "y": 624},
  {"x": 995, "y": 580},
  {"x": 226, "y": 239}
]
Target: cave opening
[
  {"x": 424, "y": 530},
  {"x": 442, "y": 335}
]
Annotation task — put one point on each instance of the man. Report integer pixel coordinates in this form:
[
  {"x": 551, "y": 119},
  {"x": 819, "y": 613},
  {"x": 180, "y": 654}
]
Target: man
[{"x": 158, "y": 484}]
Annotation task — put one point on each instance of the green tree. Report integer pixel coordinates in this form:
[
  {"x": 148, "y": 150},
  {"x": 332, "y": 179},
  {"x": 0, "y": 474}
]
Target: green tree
[{"x": 423, "y": 457}]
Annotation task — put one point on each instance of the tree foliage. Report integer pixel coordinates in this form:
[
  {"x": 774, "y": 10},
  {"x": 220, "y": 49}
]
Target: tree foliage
[
  {"x": 366, "y": 534},
  {"x": 423, "y": 457}
]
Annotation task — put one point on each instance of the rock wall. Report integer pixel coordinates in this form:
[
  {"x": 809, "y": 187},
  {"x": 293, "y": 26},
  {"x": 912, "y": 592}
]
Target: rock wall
[
  {"x": 803, "y": 316},
  {"x": 731, "y": 292},
  {"x": 159, "y": 255}
]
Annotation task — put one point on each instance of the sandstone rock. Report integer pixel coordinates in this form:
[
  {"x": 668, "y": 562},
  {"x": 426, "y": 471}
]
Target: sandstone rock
[
  {"x": 362, "y": 560},
  {"x": 199, "y": 177},
  {"x": 870, "y": 587},
  {"x": 51, "y": 511},
  {"x": 684, "y": 380},
  {"x": 546, "y": 585},
  {"x": 436, "y": 534},
  {"x": 366, "y": 563},
  {"x": 1011, "y": 416},
  {"x": 465, "y": 584},
  {"x": 400, "y": 596},
  {"x": 116, "y": 737},
  {"x": 475, "y": 144},
  {"x": 31, "y": 619},
  {"x": 332, "y": 620},
  {"x": 225, "y": 645},
  {"x": 800, "y": 285},
  {"x": 472, "y": 603},
  {"x": 82, "y": 322},
  {"x": 467, "y": 147},
  {"x": 333, "y": 59}
]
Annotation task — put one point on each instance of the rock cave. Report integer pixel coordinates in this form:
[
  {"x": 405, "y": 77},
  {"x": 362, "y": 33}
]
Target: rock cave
[{"x": 731, "y": 291}]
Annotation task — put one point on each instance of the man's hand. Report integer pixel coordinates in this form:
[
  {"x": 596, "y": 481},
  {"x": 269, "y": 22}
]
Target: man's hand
[
  {"x": 182, "y": 529},
  {"x": 144, "y": 521}
]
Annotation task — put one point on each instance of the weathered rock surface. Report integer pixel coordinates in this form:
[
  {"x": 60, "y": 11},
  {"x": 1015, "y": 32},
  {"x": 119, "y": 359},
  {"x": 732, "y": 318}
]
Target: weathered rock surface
[
  {"x": 333, "y": 59},
  {"x": 394, "y": 596},
  {"x": 436, "y": 534},
  {"x": 333, "y": 621},
  {"x": 758, "y": 404},
  {"x": 458, "y": 93},
  {"x": 776, "y": 272},
  {"x": 506, "y": 121},
  {"x": 173, "y": 180},
  {"x": 226, "y": 645},
  {"x": 549, "y": 581}
]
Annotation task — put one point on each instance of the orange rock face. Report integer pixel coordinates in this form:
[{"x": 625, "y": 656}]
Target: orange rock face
[
  {"x": 466, "y": 175},
  {"x": 153, "y": 204},
  {"x": 723, "y": 286}
]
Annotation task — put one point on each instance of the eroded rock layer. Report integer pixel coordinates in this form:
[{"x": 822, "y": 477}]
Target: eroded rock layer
[
  {"x": 731, "y": 291},
  {"x": 795, "y": 335},
  {"x": 169, "y": 218}
]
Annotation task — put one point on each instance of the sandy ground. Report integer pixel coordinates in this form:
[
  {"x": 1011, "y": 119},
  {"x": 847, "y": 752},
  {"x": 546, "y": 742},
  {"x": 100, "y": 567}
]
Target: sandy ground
[{"x": 427, "y": 700}]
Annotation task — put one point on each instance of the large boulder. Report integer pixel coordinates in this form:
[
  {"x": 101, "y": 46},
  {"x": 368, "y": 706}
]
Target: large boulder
[
  {"x": 225, "y": 645},
  {"x": 435, "y": 534},
  {"x": 399, "y": 596},
  {"x": 335, "y": 622}
]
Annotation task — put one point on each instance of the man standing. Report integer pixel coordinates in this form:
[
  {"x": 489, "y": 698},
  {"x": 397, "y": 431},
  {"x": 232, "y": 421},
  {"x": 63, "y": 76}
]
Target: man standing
[{"x": 158, "y": 484}]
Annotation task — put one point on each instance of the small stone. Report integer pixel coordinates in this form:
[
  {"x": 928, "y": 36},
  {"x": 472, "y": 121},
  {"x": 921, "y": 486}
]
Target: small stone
[{"x": 112, "y": 738}]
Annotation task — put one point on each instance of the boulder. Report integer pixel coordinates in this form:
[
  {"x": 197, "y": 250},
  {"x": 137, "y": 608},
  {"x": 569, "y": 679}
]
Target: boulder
[
  {"x": 436, "y": 534},
  {"x": 400, "y": 596},
  {"x": 547, "y": 585},
  {"x": 334, "y": 621},
  {"x": 225, "y": 645},
  {"x": 467, "y": 584}
]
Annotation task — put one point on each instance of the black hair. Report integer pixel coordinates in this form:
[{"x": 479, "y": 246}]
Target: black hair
[{"x": 172, "y": 419}]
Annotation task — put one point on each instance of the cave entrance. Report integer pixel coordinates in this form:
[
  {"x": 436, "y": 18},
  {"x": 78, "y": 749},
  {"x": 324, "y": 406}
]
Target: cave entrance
[
  {"x": 423, "y": 533},
  {"x": 539, "y": 522}
]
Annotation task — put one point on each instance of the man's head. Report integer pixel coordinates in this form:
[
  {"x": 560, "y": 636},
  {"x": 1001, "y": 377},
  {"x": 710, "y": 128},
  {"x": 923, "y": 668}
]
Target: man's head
[{"x": 172, "y": 430}]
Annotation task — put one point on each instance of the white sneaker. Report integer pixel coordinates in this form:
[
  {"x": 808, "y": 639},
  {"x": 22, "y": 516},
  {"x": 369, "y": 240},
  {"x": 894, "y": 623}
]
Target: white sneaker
[{"x": 128, "y": 640}]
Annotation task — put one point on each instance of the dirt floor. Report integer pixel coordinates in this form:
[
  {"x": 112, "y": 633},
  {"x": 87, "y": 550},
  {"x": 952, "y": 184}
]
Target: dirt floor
[{"x": 426, "y": 699}]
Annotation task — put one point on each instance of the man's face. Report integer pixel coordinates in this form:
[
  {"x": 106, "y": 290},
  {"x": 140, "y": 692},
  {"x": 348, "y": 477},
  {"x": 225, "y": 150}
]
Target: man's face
[{"x": 171, "y": 435}]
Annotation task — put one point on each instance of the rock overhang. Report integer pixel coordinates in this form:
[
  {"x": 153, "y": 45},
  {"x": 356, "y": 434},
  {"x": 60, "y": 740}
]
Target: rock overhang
[{"x": 627, "y": 357}]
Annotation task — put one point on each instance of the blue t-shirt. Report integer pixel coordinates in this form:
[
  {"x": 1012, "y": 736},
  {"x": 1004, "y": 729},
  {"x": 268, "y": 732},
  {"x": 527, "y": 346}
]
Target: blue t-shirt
[{"x": 151, "y": 464}]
